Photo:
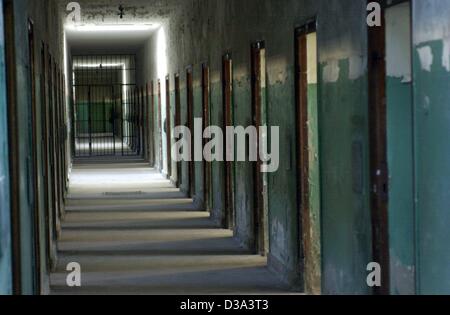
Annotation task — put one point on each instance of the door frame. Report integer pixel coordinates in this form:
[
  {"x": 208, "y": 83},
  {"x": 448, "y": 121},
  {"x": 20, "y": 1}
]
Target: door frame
[
  {"x": 145, "y": 121},
  {"x": 13, "y": 141},
  {"x": 161, "y": 161},
  {"x": 259, "y": 192},
  {"x": 378, "y": 150},
  {"x": 206, "y": 116},
  {"x": 190, "y": 126},
  {"x": 168, "y": 129},
  {"x": 179, "y": 180},
  {"x": 59, "y": 183},
  {"x": 151, "y": 104},
  {"x": 228, "y": 121},
  {"x": 311, "y": 280}
]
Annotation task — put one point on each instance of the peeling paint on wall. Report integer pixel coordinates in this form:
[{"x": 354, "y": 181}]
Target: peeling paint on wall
[
  {"x": 276, "y": 70},
  {"x": 279, "y": 240},
  {"x": 402, "y": 276},
  {"x": 331, "y": 71},
  {"x": 398, "y": 22},
  {"x": 358, "y": 66},
  {"x": 446, "y": 53},
  {"x": 426, "y": 58}
]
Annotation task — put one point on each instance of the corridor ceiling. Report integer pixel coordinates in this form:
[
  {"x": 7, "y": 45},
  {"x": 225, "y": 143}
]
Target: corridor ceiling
[{"x": 100, "y": 38}]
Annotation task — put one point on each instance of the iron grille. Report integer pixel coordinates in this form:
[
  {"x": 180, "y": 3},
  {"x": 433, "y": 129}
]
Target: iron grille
[{"x": 107, "y": 108}]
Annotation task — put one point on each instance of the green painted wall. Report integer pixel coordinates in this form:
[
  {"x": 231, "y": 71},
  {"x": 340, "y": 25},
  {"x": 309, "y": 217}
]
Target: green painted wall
[
  {"x": 217, "y": 168},
  {"x": 198, "y": 113},
  {"x": 346, "y": 223},
  {"x": 172, "y": 126},
  {"x": 5, "y": 218},
  {"x": 432, "y": 114},
  {"x": 282, "y": 185},
  {"x": 184, "y": 121},
  {"x": 401, "y": 199},
  {"x": 244, "y": 229},
  {"x": 157, "y": 130},
  {"x": 26, "y": 192},
  {"x": 216, "y": 27},
  {"x": 432, "y": 149},
  {"x": 400, "y": 150}
]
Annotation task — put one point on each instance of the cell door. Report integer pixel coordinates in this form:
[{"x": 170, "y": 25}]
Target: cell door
[{"x": 308, "y": 153}]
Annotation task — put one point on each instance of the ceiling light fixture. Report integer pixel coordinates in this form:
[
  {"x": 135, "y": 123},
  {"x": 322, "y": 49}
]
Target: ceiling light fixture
[
  {"x": 97, "y": 65},
  {"x": 121, "y": 11}
]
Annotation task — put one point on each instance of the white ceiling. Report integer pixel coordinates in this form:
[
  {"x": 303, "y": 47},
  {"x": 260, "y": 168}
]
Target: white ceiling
[{"x": 109, "y": 38}]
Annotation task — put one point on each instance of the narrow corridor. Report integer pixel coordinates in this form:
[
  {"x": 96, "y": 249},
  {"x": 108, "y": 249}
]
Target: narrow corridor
[
  {"x": 132, "y": 232},
  {"x": 225, "y": 146}
]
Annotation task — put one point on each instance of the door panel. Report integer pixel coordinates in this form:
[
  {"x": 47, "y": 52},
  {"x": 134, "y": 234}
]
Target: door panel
[{"x": 308, "y": 165}]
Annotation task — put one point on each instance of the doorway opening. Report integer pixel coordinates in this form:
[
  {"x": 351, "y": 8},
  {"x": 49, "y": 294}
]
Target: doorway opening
[
  {"x": 179, "y": 177},
  {"x": 227, "y": 91},
  {"x": 308, "y": 153},
  {"x": 167, "y": 127},
  {"x": 206, "y": 123},
  {"x": 150, "y": 97},
  {"x": 160, "y": 143},
  {"x": 260, "y": 202}
]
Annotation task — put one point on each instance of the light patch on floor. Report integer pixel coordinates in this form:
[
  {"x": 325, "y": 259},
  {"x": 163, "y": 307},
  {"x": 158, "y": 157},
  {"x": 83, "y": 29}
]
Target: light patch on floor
[{"x": 156, "y": 242}]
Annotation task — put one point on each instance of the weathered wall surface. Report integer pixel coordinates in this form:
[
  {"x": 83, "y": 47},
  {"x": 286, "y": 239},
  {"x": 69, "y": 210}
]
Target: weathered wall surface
[
  {"x": 431, "y": 63},
  {"x": 47, "y": 29},
  {"x": 202, "y": 31},
  {"x": 198, "y": 31},
  {"x": 5, "y": 217}
]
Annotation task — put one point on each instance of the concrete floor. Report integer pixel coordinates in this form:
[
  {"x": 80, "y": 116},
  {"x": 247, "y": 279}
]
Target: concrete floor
[
  {"x": 102, "y": 145},
  {"x": 132, "y": 232}
]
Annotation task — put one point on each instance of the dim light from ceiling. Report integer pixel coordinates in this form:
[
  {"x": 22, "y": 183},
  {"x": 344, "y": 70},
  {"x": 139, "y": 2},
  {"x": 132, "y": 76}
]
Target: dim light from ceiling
[{"x": 111, "y": 27}]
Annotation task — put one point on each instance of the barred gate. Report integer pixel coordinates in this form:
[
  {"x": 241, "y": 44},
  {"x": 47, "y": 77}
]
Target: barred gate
[{"x": 108, "y": 115}]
